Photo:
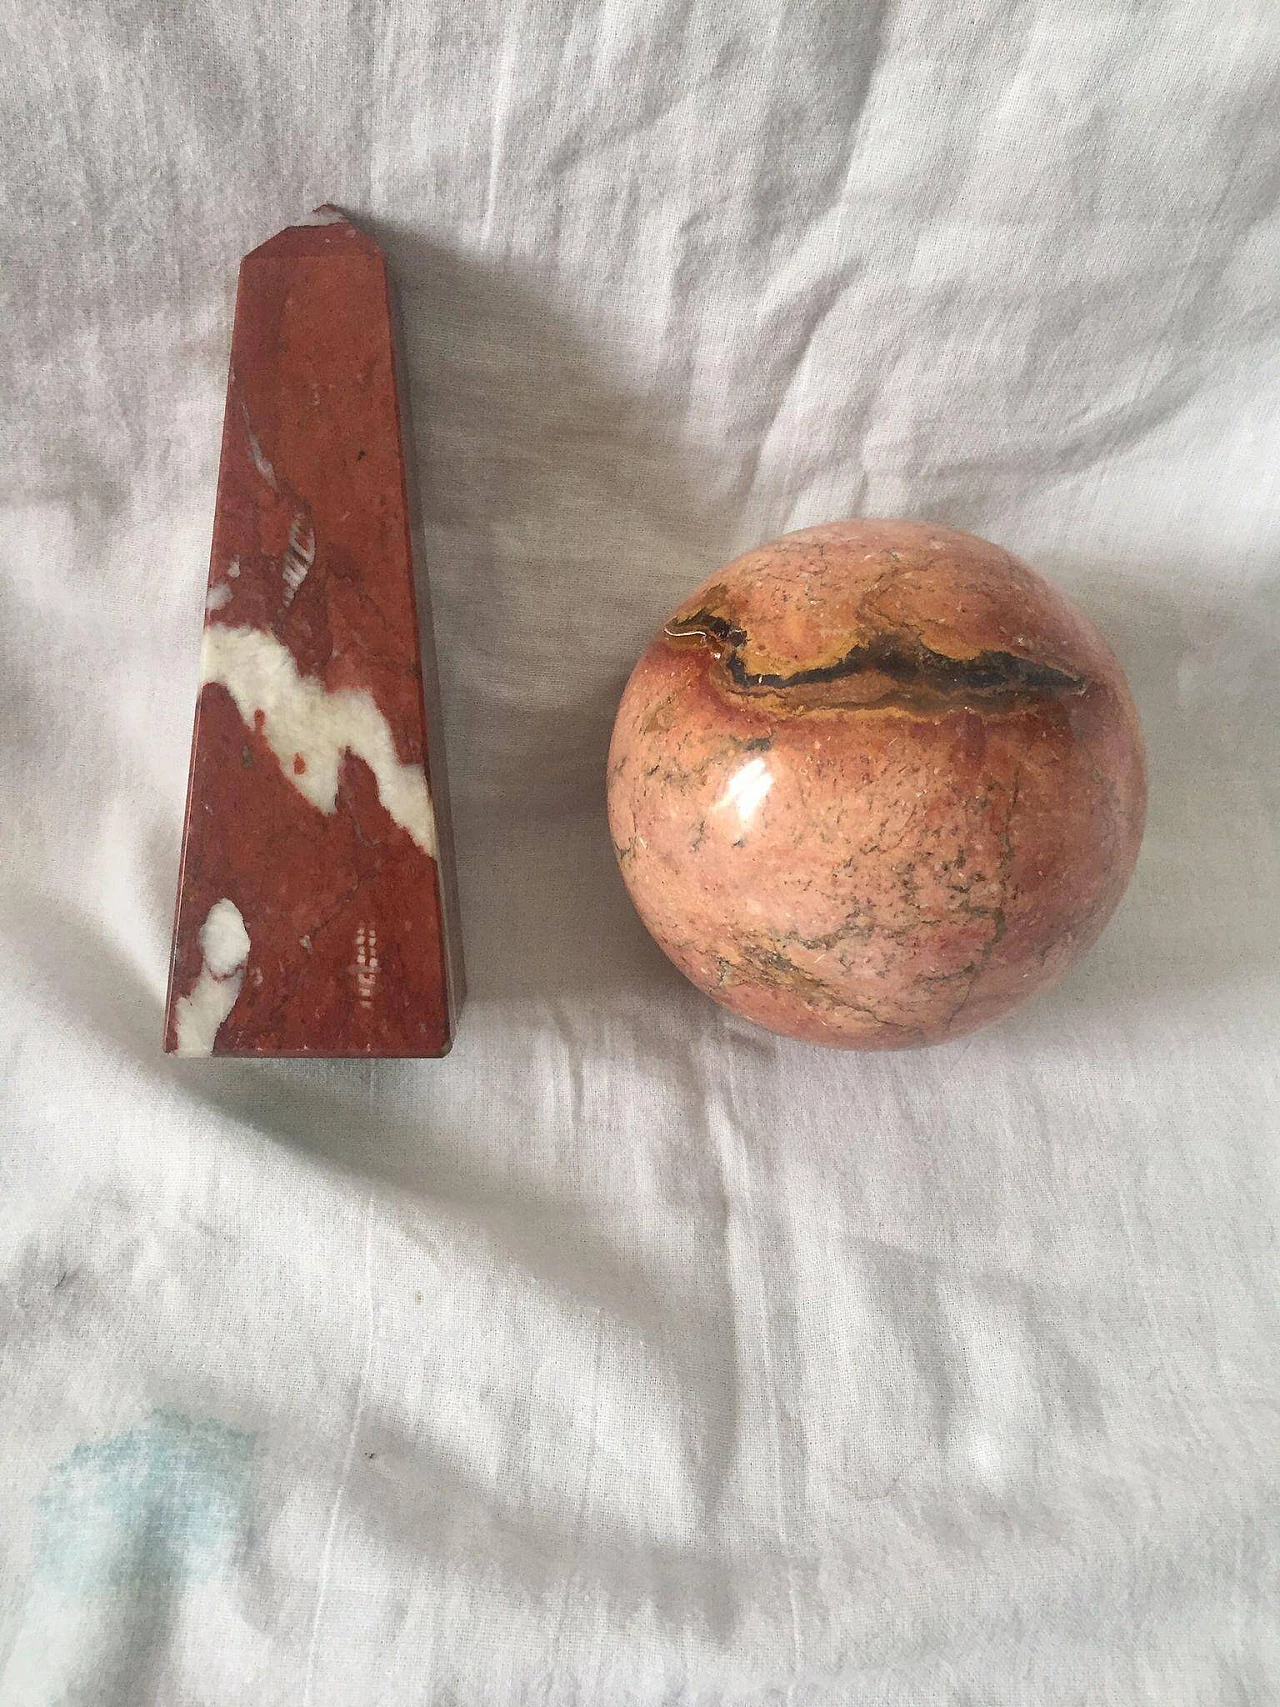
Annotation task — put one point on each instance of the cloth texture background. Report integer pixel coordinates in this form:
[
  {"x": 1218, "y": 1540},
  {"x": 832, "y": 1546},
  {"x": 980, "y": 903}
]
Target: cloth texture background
[{"x": 631, "y": 1355}]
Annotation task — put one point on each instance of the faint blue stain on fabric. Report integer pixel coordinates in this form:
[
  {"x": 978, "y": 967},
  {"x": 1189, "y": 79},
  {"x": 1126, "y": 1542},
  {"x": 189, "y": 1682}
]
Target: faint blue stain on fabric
[{"x": 159, "y": 1505}]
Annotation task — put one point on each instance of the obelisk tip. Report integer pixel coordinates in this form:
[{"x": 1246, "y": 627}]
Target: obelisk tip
[
  {"x": 325, "y": 214},
  {"x": 322, "y": 231}
]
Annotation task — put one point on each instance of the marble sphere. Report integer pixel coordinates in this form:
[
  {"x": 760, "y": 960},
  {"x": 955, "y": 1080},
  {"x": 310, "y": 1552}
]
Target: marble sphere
[{"x": 875, "y": 783}]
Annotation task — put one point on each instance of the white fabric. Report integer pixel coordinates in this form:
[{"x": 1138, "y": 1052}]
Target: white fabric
[{"x": 631, "y": 1355}]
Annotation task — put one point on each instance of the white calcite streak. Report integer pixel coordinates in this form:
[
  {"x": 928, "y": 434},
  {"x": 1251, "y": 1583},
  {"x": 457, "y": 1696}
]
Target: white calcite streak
[
  {"x": 220, "y": 593},
  {"x": 302, "y": 718},
  {"x": 299, "y": 557},
  {"x": 366, "y": 964},
  {"x": 224, "y": 947},
  {"x": 261, "y": 461}
]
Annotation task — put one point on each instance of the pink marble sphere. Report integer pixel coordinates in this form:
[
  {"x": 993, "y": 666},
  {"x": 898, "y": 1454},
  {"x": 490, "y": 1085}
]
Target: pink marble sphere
[{"x": 875, "y": 783}]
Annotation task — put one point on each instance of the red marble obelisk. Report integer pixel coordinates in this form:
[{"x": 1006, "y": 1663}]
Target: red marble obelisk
[{"x": 311, "y": 915}]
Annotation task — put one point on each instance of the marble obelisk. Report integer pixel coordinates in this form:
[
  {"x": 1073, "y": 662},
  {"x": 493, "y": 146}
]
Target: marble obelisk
[{"x": 313, "y": 900}]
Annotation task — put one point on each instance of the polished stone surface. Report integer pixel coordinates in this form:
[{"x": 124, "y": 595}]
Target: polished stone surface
[
  {"x": 875, "y": 783},
  {"x": 311, "y": 913}
]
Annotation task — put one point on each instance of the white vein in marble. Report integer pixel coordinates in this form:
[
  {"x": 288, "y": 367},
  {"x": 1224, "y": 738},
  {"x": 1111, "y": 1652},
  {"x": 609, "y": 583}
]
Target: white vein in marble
[
  {"x": 303, "y": 717},
  {"x": 224, "y": 949}
]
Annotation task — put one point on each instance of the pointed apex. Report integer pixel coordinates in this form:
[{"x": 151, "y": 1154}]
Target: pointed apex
[
  {"x": 326, "y": 230},
  {"x": 325, "y": 214}
]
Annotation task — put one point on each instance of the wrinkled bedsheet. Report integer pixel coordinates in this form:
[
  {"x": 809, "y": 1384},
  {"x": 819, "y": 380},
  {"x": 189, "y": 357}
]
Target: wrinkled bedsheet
[{"x": 631, "y": 1355}]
